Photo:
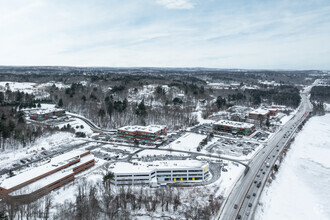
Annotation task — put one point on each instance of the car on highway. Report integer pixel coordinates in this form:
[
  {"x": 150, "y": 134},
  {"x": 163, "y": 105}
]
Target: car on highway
[
  {"x": 248, "y": 196},
  {"x": 259, "y": 184},
  {"x": 254, "y": 194},
  {"x": 235, "y": 206},
  {"x": 239, "y": 217},
  {"x": 250, "y": 204}
]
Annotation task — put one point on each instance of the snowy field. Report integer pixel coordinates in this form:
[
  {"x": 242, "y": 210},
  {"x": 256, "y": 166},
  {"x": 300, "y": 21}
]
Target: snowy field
[{"x": 301, "y": 188}]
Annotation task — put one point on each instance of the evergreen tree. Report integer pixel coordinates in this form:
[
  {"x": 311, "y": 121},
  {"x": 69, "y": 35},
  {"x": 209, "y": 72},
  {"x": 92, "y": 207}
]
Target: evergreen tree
[
  {"x": 101, "y": 113},
  {"x": 60, "y": 103},
  {"x": 83, "y": 98},
  {"x": 110, "y": 109},
  {"x": 141, "y": 109}
]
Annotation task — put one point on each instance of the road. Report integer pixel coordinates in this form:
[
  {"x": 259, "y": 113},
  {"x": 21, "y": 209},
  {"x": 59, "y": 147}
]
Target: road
[
  {"x": 243, "y": 200},
  {"x": 94, "y": 127}
]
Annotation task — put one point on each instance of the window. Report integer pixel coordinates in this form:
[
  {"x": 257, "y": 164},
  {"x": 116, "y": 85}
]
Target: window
[
  {"x": 124, "y": 175},
  {"x": 164, "y": 171},
  {"x": 194, "y": 171},
  {"x": 142, "y": 175},
  {"x": 179, "y": 171}
]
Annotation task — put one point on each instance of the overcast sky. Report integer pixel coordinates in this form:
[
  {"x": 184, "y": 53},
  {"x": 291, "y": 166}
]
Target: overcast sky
[{"x": 274, "y": 34}]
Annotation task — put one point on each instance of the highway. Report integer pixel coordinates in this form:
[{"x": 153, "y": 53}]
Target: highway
[{"x": 244, "y": 198}]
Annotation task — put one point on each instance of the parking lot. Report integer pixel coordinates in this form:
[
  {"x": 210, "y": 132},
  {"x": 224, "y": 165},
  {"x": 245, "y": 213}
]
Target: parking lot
[{"x": 232, "y": 147}]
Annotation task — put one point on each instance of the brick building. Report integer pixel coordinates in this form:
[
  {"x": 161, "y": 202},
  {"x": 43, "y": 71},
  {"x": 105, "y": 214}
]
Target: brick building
[
  {"x": 149, "y": 133},
  {"x": 234, "y": 127},
  {"x": 42, "y": 179},
  {"x": 47, "y": 114}
]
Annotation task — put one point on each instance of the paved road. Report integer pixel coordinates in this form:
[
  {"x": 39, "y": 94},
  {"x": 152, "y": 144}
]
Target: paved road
[
  {"x": 91, "y": 124},
  {"x": 246, "y": 193}
]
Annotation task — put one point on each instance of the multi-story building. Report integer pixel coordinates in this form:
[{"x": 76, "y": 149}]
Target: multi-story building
[
  {"x": 149, "y": 133},
  {"x": 47, "y": 114},
  {"x": 273, "y": 111},
  {"x": 160, "y": 172},
  {"x": 42, "y": 179},
  {"x": 258, "y": 114},
  {"x": 234, "y": 127}
]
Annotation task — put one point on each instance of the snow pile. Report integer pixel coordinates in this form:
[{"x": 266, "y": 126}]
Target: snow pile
[{"x": 301, "y": 189}]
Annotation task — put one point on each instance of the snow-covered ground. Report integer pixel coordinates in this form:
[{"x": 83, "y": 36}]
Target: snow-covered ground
[
  {"x": 31, "y": 88},
  {"x": 188, "y": 142},
  {"x": 301, "y": 188}
]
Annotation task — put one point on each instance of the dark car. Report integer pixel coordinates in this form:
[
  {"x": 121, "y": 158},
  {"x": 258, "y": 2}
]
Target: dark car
[
  {"x": 239, "y": 217},
  {"x": 250, "y": 204},
  {"x": 248, "y": 196},
  {"x": 254, "y": 194},
  {"x": 235, "y": 206}
]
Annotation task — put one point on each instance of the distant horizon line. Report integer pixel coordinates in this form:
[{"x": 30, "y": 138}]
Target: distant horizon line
[{"x": 155, "y": 67}]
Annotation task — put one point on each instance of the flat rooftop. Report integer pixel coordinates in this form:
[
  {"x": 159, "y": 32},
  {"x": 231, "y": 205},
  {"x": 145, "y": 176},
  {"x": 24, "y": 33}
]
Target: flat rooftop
[
  {"x": 51, "y": 178},
  {"x": 235, "y": 124},
  {"x": 149, "y": 128},
  {"x": 260, "y": 111},
  {"x": 37, "y": 171},
  {"x": 42, "y": 182},
  {"x": 147, "y": 167}
]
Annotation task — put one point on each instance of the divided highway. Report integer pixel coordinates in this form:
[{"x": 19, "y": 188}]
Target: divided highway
[{"x": 243, "y": 200}]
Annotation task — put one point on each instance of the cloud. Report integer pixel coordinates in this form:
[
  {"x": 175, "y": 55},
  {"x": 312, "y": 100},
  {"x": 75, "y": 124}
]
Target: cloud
[
  {"x": 176, "y": 4},
  {"x": 224, "y": 34}
]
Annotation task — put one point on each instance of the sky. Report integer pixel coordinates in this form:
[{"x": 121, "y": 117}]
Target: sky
[{"x": 247, "y": 34}]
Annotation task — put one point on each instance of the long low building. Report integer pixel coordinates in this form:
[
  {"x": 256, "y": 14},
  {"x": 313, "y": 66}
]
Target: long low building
[
  {"x": 47, "y": 114},
  {"x": 160, "y": 172},
  {"x": 42, "y": 179},
  {"x": 234, "y": 127},
  {"x": 148, "y": 133}
]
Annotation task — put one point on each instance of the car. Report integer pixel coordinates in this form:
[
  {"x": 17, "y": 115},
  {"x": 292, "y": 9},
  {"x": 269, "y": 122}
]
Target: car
[
  {"x": 250, "y": 204},
  {"x": 278, "y": 150},
  {"x": 258, "y": 175},
  {"x": 273, "y": 155},
  {"x": 261, "y": 169},
  {"x": 263, "y": 172},
  {"x": 239, "y": 217},
  {"x": 248, "y": 196},
  {"x": 255, "y": 181},
  {"x": 247, "y": 213},
  {"x": 235, "y": 206},
  {"x": 254, "y": 194}
]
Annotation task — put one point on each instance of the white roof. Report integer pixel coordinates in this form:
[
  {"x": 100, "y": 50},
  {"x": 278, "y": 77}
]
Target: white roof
[
  {"x": 52, "y": 178},
  {"x": 42, "y": 182},
  {"x": 149, "y": 128},
  {"x": 37, "y": 171},
  {"x": 147, "y": 167},
  {"x": 260, "y": 111},
  {"x": 235, "y": 124}
]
